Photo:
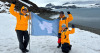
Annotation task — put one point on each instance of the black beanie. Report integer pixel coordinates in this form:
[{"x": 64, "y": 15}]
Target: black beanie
[{"x": 61, "y": 12}]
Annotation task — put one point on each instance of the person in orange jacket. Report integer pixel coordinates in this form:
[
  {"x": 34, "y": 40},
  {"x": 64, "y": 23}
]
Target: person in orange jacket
[
  {"x": 66, "y": 47},
  {"x": 63, "y": 20},
  {"x": 21, "y": 26}
]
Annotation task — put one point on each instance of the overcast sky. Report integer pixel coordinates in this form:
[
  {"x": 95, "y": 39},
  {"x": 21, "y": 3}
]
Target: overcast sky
[{"x": 42, "y": 3}]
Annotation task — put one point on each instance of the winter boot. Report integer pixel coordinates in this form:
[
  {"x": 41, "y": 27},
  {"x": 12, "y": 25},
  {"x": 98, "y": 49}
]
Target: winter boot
[
  {"x": 23, "y": 51},
  {"x": 70, "y": 47},
  {"x": 59, "y": 45},
  {"x": 27, "y": 50}
]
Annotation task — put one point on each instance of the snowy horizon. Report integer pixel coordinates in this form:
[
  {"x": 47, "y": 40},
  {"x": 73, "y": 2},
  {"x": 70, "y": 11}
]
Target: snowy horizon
[{"x": 43, "y": 3}]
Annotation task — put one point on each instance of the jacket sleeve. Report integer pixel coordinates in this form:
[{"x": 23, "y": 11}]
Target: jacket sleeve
[
  {"x": 12, "y": 10},
  {"x": 70, "y": 17},
  {"x": 72, "y": 31}
]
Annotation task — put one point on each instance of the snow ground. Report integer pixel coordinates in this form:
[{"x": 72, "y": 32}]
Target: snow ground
[{"x": 82, "y": 41}]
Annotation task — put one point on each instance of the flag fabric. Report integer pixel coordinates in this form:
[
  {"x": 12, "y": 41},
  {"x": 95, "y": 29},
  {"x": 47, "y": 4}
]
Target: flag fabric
[{"x": 43, "y": 27}]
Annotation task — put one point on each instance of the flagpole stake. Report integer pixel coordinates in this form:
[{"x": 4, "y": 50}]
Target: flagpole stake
[{"x": 29, "y": 28}]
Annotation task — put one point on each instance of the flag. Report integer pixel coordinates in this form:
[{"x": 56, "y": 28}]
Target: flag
[{"x": 43, "y": 27}]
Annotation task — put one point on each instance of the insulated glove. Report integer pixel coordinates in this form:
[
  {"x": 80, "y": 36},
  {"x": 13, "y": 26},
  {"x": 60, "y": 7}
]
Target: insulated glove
[
  {"x": 68, "y": 12},
  {"x": 73, "y": 26},
  {"x": 14, "y": 2}
]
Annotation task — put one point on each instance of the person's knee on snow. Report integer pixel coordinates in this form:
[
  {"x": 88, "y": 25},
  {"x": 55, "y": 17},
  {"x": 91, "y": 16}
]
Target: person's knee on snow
[{"x": 66, "y": 47}]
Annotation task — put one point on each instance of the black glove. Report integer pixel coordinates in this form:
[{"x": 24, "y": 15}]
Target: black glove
[
  {"x": 68, "y": 12},
  {"x": 14, "y": 2},
  {"x": 25, "y": 0},
  {"x": 73, "y": 26}
]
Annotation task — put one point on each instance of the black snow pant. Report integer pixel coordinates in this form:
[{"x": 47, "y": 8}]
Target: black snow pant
[
  {"x": 66, "y": 47},
  {"x": 23, "y": 39}
]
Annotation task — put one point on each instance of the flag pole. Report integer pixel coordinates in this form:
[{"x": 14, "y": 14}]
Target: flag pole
[{"x": 29, "y": 28}]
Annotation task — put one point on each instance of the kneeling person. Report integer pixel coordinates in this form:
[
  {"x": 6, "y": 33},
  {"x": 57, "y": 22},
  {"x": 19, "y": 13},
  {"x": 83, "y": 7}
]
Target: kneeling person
[{"x": 66, "y": 47}]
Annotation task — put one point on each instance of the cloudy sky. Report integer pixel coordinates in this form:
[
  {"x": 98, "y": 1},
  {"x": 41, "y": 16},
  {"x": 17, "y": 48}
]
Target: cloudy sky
[{"x": 42, "y": 3}]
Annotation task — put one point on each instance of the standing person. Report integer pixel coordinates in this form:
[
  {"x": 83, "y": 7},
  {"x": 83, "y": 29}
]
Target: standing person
[
  {"x": 21, "y": 26},
  {"x": 66, "y": 46},
  {"x": 63, "y": 20}
]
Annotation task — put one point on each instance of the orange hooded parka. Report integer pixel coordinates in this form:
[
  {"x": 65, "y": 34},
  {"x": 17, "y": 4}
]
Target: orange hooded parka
[
  {"x": 65, "y": 35},
  {"x": 64, "y": 20},
  {"x": 22, "y": 18}
]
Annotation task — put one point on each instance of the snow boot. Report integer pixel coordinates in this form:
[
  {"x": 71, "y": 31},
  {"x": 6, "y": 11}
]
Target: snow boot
[
  {"x": 59, "y": 45},
  {"x": 70, "y": 47},
  {"x": 23, "y": 51},
  {"x": 27, "y": 50}
]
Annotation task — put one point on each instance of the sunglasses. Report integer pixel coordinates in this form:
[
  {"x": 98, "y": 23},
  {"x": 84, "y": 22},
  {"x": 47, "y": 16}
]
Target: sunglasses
[
  {"x": 25, "y": 9},
  {"x": 63, "y": 26}
]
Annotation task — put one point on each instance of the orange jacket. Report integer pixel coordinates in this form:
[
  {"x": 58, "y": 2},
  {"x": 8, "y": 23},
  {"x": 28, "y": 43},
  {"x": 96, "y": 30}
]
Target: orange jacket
[
  {"x": 65, "y": 36},
  {"x": 64, "y": 20},
  {"x": 22, "y": 18}
]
